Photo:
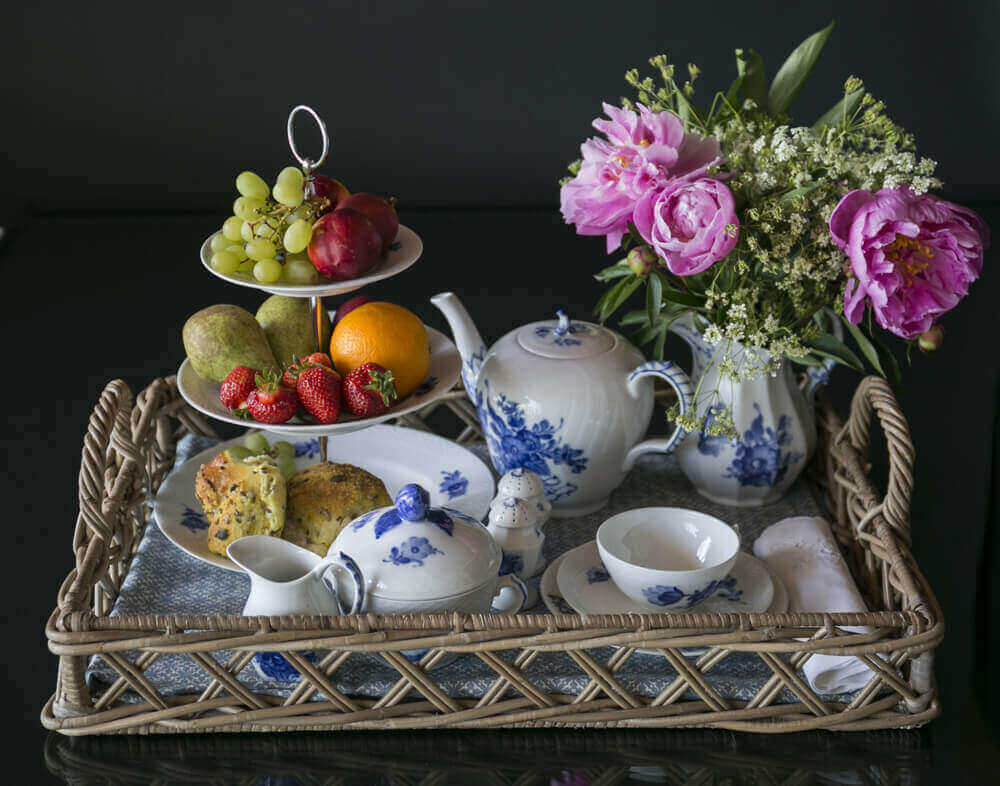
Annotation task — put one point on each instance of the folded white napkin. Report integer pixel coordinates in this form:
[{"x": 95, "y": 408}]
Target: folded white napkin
[{"x": 803, "y": 553}]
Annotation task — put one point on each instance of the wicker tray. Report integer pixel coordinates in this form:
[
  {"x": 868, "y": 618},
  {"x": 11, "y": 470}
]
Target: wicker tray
[{"x": 129, "y": 449}]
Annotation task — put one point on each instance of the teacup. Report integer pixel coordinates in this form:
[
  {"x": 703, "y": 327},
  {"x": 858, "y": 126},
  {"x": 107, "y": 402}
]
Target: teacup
[{"x": 666, "y": 559}]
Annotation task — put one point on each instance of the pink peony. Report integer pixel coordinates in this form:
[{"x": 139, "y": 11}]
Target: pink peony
[
  {"x": 687, "y": 224},
  {"x": 642, "y": 151},
  {"x": 912, "y": 257}
]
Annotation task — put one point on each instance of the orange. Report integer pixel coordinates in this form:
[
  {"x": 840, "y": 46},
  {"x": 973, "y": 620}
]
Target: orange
[{"x": 386, "y": 334}]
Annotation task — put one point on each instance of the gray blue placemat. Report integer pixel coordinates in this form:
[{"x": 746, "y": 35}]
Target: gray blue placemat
[{"x": 165, "y": 580}]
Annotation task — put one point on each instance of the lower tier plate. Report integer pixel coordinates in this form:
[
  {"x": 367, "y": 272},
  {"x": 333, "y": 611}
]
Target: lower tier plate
[{"x": 455, "y": 477}]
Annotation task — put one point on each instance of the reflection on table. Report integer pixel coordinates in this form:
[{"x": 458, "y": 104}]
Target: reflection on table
[{"x": 526, "y": 758}]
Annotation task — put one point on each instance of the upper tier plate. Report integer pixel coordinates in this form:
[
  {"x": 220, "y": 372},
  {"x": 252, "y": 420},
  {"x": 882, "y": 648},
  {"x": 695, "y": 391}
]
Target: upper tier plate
[
  {"x": 446, "y": 364},
  {"x": 405, "y": 251}
]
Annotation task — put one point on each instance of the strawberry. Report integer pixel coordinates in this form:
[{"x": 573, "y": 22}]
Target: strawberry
[
  {"x": 236, "y": 387},
  {"x": 272, "y": 402},
  {"x": 291, "y": 375},
  {"x": 319, "y": 391},
  {"x": 369, "y": 390}
]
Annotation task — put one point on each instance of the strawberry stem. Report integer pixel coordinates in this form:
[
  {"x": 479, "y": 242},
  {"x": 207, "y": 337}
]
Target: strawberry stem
[{"x": 382, "y": 383}]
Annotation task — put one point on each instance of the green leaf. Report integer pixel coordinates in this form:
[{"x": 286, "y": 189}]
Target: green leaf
[
  {"x": 635, "y": 318},
  {"x": 661, "y": 339},
  {"x": 750, "y": 67},
  {"x": 866, "y": 346},
  {"x": 733, "y": 94},
  {"x": 795, "y": 70},
  {"x": 891, "y": 366},
  {"x": 795, "y": 193},
  {"x": 617, "y": 295},
  {"x": 829, "y": 346},
  {"x": 654, "y": 298},
  {"x": 646, "y": 334},
  {"x": 840, "y": 112},
  {"x": 675, "y": 295},
  {"x": 617, "y": 270}
]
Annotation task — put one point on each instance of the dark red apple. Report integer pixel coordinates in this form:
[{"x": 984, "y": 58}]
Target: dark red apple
[
  {"x": 348, "y": 306},
  {"x": 345, "y": 244},
  {"x": 323, "y": 187},
  {"x": 381, "y": 212}
]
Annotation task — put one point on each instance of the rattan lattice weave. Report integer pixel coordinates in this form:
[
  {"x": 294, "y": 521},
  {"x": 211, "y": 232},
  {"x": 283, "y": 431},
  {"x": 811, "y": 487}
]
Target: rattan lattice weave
[{"x": 128, "y": 449}]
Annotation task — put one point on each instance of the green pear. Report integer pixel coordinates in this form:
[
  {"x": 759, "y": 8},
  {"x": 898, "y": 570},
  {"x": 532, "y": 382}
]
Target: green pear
[
  {"x": 288, "y": 325},
  {"x": 219, "y": 338}
]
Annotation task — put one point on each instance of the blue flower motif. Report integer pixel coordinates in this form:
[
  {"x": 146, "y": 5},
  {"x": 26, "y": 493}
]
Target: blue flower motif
[
  {"x": 193, "y": 520},
  {"x": 454, "y": 484},
  {"x": 671, "y": 596},
  {"x": 662, "y": 596},
  {"x": 711, "y": 445},
  {"x": 560, "y": 603},
  {"x": 412, "y": 551},
  {"x": 309, "y": 448},
  {"x": 511, "y": 563},
  {"x": 277, "y": 667},
  {"x": 759, "y": 460},
  {"x": 514, "y": 444},
  {"x": 728, "y": 590},
  {"x": 597, "y": 574},
  {"x": 559, "y": 337}
]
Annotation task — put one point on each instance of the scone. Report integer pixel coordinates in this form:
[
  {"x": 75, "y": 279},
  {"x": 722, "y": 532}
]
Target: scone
[
  {"x": 324, "y": 498},
  {"x": 240, "y": 498}
]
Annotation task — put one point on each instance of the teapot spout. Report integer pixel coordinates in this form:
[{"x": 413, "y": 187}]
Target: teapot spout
[{"x": 467, "y": 339}]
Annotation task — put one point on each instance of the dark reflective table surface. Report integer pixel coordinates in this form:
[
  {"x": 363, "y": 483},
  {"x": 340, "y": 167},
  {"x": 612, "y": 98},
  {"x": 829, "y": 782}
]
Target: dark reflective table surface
[{"x": 527, "y": 757}]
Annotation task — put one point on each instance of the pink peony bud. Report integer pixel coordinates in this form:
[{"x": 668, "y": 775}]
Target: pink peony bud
[
  {"x": 641, "y": 260},
  {"x": 931, "y": 340}
]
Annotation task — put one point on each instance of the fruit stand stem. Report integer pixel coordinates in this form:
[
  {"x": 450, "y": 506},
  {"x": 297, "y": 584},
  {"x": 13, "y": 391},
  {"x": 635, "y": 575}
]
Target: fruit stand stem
[{"x": 318, "y": 315}]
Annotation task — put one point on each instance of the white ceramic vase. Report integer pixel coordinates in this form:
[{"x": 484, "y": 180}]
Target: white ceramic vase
[{"x": 774, "y": 420}]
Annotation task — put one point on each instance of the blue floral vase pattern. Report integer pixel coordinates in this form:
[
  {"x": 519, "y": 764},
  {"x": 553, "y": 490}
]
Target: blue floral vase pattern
[
  {"x": 775, "y": 429},
  {"x": 758, "y": 459}
]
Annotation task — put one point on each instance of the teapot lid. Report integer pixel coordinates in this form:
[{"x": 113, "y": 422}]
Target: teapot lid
[
  {"x": 564, "y": 339},
  {"x": 412, "y": 551}
]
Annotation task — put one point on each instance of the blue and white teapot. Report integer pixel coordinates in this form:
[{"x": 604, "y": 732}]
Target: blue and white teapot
[{"x": 568, "y": 400}]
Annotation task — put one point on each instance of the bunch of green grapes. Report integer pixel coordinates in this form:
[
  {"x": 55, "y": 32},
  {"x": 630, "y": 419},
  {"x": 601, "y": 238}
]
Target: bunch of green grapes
[
  {"x": 269, "y": 231},
  {"x": 255, "y": 444}
]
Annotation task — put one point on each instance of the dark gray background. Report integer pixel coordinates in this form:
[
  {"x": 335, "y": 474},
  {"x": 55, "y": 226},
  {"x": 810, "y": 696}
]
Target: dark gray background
[
  {"x": 123, "y": 127},
  {"x": 152, "y": 106}
]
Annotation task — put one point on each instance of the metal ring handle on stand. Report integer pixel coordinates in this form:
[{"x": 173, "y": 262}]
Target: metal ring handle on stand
[{"x": 307, "y": 164}]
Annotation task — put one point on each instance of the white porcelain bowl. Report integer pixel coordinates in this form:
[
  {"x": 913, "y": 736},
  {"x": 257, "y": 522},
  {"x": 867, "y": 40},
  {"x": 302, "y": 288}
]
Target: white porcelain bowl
[{"x": 667, "y": 558}]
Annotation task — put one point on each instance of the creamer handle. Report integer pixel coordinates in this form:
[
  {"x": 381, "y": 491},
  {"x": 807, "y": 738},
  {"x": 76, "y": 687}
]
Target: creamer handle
[{"x": 679, "y": 381}]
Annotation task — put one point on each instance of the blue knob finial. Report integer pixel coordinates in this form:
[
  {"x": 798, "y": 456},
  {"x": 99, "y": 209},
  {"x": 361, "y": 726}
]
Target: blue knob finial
[{"x": 412, "y": 502}]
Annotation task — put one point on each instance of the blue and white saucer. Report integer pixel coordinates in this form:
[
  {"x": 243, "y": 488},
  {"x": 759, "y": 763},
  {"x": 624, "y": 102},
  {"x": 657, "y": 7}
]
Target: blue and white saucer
[{"x": 578, "y": 582}]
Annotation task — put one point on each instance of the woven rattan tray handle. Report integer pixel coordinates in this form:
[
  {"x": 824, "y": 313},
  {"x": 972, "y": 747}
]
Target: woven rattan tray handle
[{"x": 875, "y": 396}]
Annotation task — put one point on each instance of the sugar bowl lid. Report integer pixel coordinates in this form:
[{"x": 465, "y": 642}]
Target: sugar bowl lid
[
  {"x": 565, "y": 339},
  {"x": 411, "y": 551}
]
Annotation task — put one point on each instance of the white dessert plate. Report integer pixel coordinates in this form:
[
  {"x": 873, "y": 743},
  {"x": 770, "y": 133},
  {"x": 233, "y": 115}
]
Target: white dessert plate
[
  {"x": 455, "y": 477},
  {"x": 446, "y": 365},
  {"x": 557, "y": 604},
  {"x": 404, "y": 252},
  {"x": 586, "y": 585}
]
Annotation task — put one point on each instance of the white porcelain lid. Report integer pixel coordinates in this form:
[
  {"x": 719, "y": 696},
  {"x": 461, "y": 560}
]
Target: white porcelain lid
[
  {"x": 565, "y": 339},
  {"x": 412, "y": 551}
]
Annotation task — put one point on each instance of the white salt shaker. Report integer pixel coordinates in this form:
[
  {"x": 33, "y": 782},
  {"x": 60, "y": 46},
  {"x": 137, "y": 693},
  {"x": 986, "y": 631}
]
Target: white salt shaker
[{"x": 516, "y": 518}]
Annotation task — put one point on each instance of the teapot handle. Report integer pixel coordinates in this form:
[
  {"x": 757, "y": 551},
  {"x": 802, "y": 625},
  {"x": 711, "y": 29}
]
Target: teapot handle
[
  {"x": 679, "y": 381},
  {"x": 342, "y": 562},
  {"x": 513, "y": 583}
]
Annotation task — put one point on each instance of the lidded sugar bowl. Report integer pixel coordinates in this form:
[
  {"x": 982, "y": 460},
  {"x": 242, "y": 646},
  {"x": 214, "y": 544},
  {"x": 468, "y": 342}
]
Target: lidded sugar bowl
[{"x": 414, "y": 558}]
